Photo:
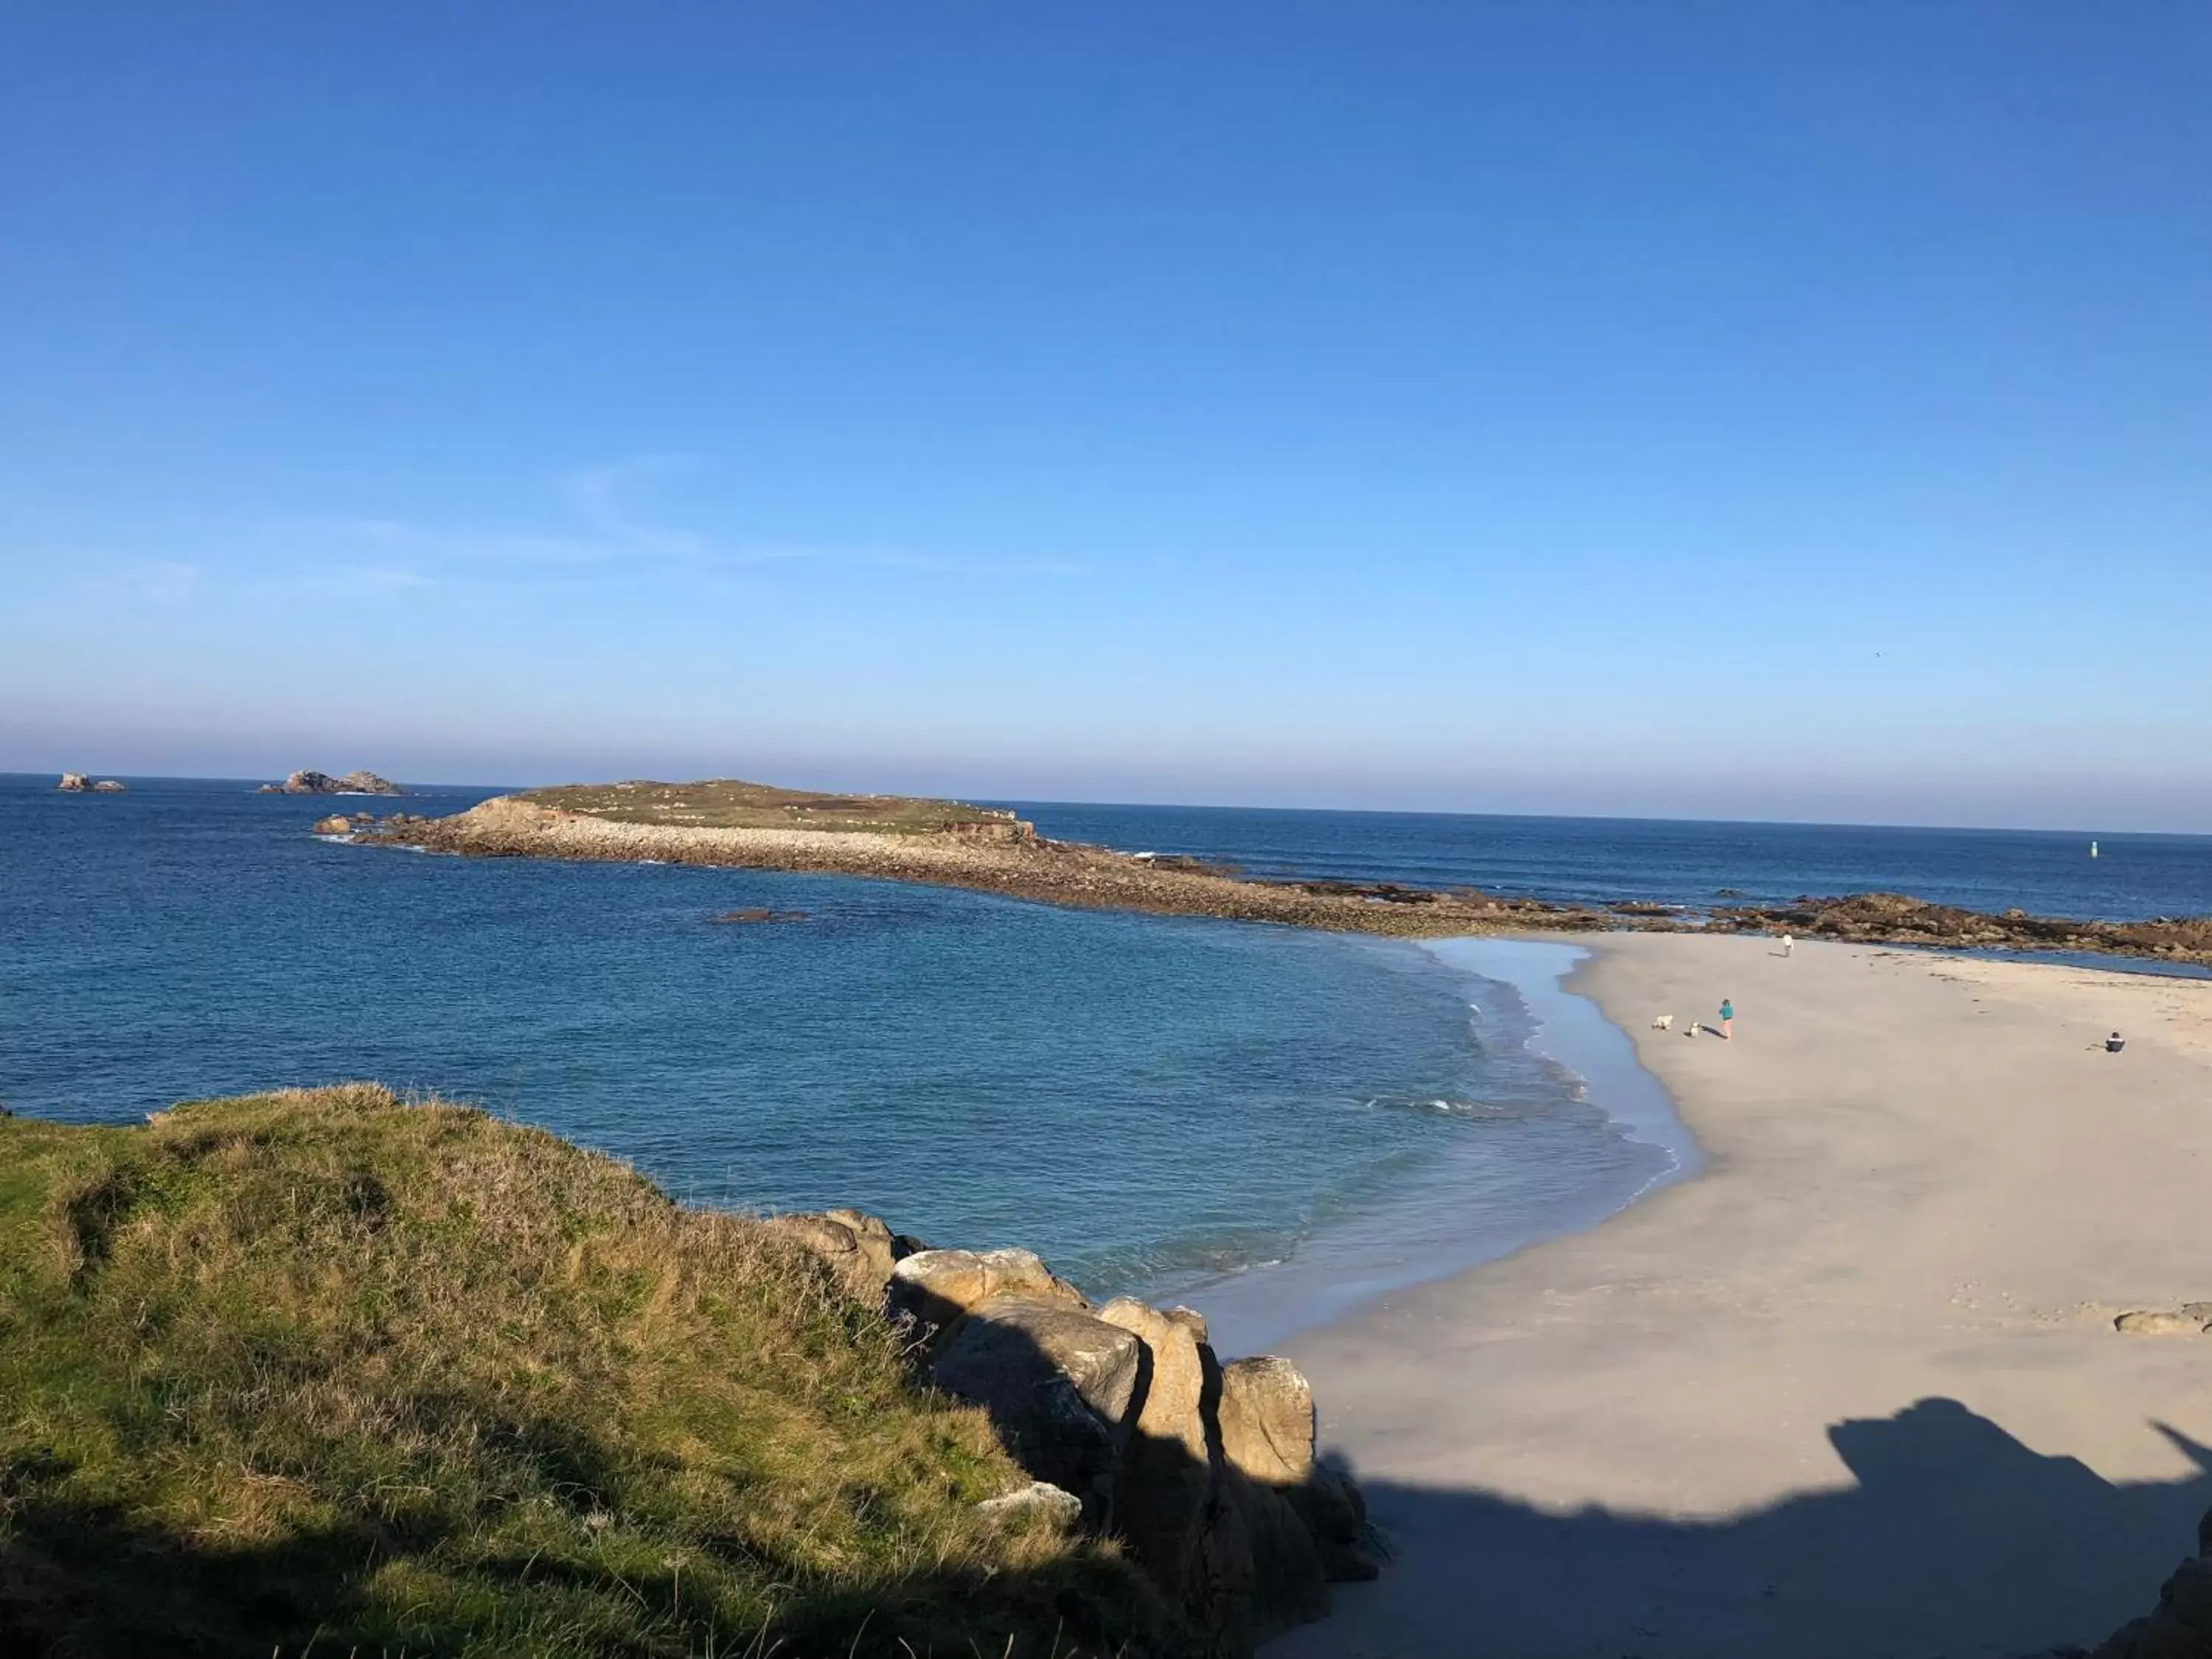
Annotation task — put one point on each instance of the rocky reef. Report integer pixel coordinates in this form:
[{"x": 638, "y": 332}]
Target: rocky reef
[
  {"x": 993, "y": 854},
  {"x": 723, "y": 824},
  {"x": 1894, "y": 919},
  {"x": 322, "y": 783},
  {"x": 1128, "y": 1424},
  {"x": 77, "y": 783}
]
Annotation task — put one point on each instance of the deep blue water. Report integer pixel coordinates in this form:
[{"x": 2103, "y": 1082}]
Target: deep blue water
[
  {"x": 1147, "y": 1101},
  {"x": 2045, "y": 872}
]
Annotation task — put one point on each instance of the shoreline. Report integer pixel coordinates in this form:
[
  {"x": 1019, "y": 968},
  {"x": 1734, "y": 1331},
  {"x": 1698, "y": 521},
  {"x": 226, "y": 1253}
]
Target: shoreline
[
  {"x": 1856, "y": 1390},
  {"x": 1342, "y": 1270}
]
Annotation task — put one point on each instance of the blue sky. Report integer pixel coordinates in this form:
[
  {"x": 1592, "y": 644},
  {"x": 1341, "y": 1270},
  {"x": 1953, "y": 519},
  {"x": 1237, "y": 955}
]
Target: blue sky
[{"x": 1751, "y": 410}]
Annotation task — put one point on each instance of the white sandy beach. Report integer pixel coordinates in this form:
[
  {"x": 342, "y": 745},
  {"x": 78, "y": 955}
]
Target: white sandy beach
[{"x": 1854, "y": 1391}]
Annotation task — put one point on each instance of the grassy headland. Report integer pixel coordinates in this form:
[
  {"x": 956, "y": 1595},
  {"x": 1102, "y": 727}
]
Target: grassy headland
[{"x": 325, "y": 1367}]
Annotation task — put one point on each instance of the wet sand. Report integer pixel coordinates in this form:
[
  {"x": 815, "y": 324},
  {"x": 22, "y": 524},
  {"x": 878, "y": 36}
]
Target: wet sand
[{"x": 1854, "y": 1391}]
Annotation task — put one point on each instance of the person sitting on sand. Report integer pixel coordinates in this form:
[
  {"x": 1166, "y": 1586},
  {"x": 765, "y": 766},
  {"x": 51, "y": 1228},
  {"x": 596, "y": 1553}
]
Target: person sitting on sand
[{"x": 1728, "y": 1020}]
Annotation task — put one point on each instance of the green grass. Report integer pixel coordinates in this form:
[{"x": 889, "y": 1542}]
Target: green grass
[
  {"x": 325, "y": 1368},
  {"x": 731, "y": 804}
]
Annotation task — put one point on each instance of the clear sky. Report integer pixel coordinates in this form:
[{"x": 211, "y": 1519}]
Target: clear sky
[{"x": 1767, "y": 409}]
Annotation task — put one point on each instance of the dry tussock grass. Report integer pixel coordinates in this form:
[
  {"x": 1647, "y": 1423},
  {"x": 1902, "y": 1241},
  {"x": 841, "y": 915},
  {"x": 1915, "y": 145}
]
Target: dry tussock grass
[{"x": 413, "y": 1378}]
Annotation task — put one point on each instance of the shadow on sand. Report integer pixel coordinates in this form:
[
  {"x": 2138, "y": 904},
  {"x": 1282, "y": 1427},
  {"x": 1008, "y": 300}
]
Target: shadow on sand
[{"x": 1957, "y": 1541}]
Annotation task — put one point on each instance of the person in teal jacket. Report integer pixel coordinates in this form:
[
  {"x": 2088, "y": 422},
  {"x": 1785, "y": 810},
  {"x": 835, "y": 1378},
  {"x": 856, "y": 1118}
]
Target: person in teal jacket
[{"x": 1728, "y": 1020}]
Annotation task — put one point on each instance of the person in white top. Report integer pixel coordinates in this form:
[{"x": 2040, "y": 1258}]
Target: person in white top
[{"x": 1788, "y": 944}]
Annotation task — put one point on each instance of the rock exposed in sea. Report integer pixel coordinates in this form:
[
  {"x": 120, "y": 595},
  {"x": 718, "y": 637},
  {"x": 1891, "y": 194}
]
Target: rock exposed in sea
[
  {"x": 322, "y": 783},
  {"x": 337, "y": 824},
  {"x": 76, "y": 783},
  {"x": 1127, "y": 1424}
]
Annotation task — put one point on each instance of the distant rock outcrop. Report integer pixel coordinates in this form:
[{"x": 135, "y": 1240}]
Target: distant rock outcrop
[
  {"x": 1128, "y": 1426},
  {"x": 76, "y": 783},
  {"x": 322, "y": 783}
]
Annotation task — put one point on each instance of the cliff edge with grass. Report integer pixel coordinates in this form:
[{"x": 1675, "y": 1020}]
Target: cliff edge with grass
[{"x": 323, "y": 1367}]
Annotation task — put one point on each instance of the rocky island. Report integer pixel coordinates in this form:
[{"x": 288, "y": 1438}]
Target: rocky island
[
  {"x": 731, "y": 823},
  {"x": 77, "y": 783},
  {"x": 735, "y": 824},
  {"x": 322, "y": 783}
]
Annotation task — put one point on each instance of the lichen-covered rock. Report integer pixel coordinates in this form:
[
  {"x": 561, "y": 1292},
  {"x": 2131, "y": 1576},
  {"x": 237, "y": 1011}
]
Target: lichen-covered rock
[
  {"x": 1267, "y": 1420},
  {"x": 1169, "y": 1503},
  {"x": 1267, "y": 1416},
  {"x": 1289, "y": 1579},
  {"x": 1058, "y": 1383},
  {"x": 1335, "y": 1513},
  {"x": 934, "y": 1288},
  {"x": 1039, "y": 1498},
  {"x": 337, "y": 824},
  {"x": 2158, "y": 1322},
  {"x": 858, "y": 1247},
  {"x": 1129, "y": 1424}
]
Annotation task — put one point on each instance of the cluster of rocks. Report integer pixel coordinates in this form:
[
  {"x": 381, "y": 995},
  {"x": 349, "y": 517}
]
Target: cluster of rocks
[
  {"x": 322, "y": 783},
  {"x": 1894, "y": 919},
  {"x": 2179, "y": 1627},
  {"x": 77, "y": 783},
  {"x": 1000, "y": 828},
  {"x": 1129, "y": 1425},
  {"x": 2190, "y": 1319}
]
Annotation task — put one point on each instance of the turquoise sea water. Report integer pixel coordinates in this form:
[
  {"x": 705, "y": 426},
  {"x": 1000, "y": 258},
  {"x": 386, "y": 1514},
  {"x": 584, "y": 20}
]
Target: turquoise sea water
[
  {"x": 1153, "y": 1104},
  {"x": 1136, "y": 1097}
]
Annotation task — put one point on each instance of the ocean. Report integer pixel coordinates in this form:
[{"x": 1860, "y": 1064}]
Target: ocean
[{"x": 1272, "y": 1124}]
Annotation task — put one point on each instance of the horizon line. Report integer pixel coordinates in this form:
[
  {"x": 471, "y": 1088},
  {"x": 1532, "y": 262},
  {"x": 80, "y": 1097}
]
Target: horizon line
[{"x": 985, "y": 799}]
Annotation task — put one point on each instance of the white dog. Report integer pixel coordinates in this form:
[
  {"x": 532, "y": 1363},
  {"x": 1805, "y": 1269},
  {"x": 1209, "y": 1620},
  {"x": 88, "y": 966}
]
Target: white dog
[
  {"x": 1697, "y": 1028},
  {"x": 1663, "y": 1022}
]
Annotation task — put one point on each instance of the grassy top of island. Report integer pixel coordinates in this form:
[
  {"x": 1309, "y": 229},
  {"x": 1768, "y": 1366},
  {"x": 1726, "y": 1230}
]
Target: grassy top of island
[
  {"x": 327, "y": 1367},
  {"x": 735, "y": 804}
]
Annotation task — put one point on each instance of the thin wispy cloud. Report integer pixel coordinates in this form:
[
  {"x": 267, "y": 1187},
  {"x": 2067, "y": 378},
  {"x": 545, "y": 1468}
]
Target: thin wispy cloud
[
  {"x": 601, "y": 498},
  {"x": 611, "y": 527}
]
